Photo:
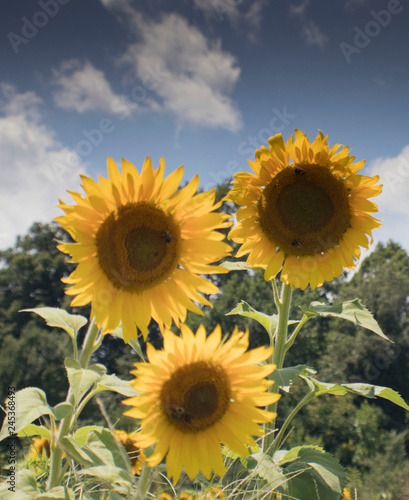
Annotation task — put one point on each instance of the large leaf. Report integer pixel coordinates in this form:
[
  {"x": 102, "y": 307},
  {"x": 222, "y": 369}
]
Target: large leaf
[
  {"x": 116, "y": 384},
  {"x": 270, "y": 471},
  {"x": 366, "y": 390},
  {"x": 351, "y": 310},
  {"x": 81, "y": 379},
  {"x": 58, "y": 493},
  {"x": 268, "y": 322},
  {"x": 76, "y": 452},
  {"x": 285, "y": 377},
  {"x": 31, "y": 403},
  {"x": 63, "y": 410},
  {"x": 244, "y": 309},
  {"x": 82, "y": 433},
  {"x": 25, "y": 489},
  {"x": 100, "y": 449},
  {"x": 104, "y": 445},
  {"x": 312, "y": 474},
  {"x": 34, "y": 430},
  {"x": 59, "y": 318},
  {"x": 121, "y": 480}
]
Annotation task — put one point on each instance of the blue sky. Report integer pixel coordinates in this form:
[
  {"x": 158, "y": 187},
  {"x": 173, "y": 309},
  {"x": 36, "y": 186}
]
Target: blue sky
[{"x": 200, "y": 82}]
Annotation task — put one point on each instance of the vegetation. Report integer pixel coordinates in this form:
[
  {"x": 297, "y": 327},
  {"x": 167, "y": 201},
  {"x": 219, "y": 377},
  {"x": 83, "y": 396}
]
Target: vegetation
[{"x": 369, "y": 438}]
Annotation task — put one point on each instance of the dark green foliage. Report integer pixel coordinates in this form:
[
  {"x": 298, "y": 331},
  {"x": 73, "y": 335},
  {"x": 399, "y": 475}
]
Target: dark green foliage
[
  {"x": 366, "y": 437},
  {"x": 31, "y": 353}
]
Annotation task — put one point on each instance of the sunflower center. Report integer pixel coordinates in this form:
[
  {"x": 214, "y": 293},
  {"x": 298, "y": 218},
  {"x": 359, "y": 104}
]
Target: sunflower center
[
  {"x": 304, "y": 210},
  {"x": 196, "y": 396},
  {"x": 146, "y": 248},
  {"x": 138, "y": 246}
]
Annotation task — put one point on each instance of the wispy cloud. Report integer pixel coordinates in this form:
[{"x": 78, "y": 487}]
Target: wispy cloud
[
  {"x": 310, "y": 31},
  {"x": 244, "y": 15},
  {"x": 193, "y": 77},
  {"x": 82, "y": 87},
  {"x": 29, "y": 186}
]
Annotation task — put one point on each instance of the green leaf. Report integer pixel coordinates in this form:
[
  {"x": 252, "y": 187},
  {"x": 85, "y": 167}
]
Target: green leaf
[
  {"x": 63, "y": 410},
  {"x": 312, "y": 474},
  {"x": 34, "y": 430},
  {"x": 116, "y": 384},
  {"x": 73, "y": 450},
  {"x": 244, "y": 309},
  {"x": 32, "y": 404},
  {"x": 59, "y": 318},
  {"x": 104, "y": 445},
  {"x": 236, "y": 265},
  {"x": 368, "y": 390},
  {"x": 81, "y": 379},
  {"x": 111, "y": 474},
  {"x": 25, "y": 489},
  {"x": 285, "y": 377},
  {"x": 269, "y": 471},
  {"x": 58, "y": 493},
  {"x": 82, "y": 433},
  {"x": 361, "y": 389},
  {"x": 351, "y": 310}
]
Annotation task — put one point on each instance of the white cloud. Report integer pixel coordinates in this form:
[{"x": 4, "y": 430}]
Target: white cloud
[
  {"x": 393, "y": 202},
  {"x": 192, "y": 76},
  {"x": 244, "y": 15},
  {"x": 310, "y": 31},
  {"x": 83, "y": 87},
  {"x": 30, "y": 185}
]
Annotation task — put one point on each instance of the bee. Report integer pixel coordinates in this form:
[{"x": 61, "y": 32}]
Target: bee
[
  {"x": 296, "y": 243},
  {"x": 167, "y": 236},
  {"x": 178, "y": 413},
  {"x": 299, "y": 170}
]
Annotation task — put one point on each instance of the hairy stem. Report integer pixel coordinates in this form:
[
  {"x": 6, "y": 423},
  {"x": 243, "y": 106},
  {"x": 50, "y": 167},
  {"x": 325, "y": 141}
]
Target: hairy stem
[{"x": 283, "y": 306}]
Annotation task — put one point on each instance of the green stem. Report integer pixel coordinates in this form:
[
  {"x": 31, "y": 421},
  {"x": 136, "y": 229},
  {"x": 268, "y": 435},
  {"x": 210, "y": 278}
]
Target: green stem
[
  {"x": 75, "y": 348},
  {"x": 283, "y": 305},
  {"x": 281, "y": 336},
  {"x": 279, "y": 438},
  {"x": 81, "y": 406},
  {"x": 88, "y": 346},
  {"x": 143, "y": 483},
  {"x": 67, "y": 422}
]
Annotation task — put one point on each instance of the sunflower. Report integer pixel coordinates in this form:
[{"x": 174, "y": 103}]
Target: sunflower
[
  {"x": 212, "y": 493},
  {"x": 135, "y": 453},
  {"x": 39, "y": 448},
  {"x": 141, "y": 247},
  {"x": 197, "y": 393},
  {"x": 305, "y": 211},
  {"x": 346, "y": 495}
]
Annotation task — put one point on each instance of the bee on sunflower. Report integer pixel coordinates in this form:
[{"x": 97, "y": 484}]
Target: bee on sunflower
[
  {"x": 305, "y": 211},
  {"x": 142, "y": 247},
  {"x": 198, "y": 392}
]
